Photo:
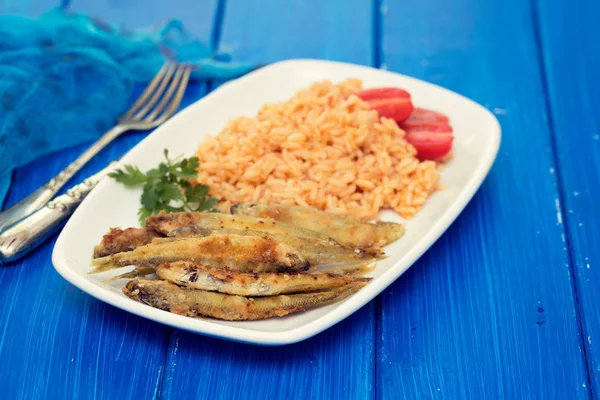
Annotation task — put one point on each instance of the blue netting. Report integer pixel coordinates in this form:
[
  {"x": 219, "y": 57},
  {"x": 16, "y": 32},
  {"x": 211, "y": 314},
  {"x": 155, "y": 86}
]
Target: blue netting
[{"x": 65, "y": 77}]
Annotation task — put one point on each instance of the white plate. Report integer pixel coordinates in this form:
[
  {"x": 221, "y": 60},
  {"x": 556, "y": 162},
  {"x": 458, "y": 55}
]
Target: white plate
[{"x": 477, "y": 140}]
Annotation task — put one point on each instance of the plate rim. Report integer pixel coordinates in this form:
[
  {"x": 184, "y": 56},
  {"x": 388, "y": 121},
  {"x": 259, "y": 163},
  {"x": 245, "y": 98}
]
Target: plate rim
[{"x": 350, "y": 305}]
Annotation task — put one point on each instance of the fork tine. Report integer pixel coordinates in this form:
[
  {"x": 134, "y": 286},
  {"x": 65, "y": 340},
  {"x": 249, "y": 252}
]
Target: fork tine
[
  {"x": 149, "y": 89},
  {"x": 177, "y": 98},
  {"x": 167, "y": 96},
  {"x": 157, "y": 93}
]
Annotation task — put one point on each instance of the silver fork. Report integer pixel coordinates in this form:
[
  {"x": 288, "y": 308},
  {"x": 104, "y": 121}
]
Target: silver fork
[{"x": 158, "y": 102}]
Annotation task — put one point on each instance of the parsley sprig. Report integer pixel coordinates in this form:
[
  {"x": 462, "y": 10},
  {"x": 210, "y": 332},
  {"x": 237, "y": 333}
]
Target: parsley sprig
[{"x": 167, "y": 187}]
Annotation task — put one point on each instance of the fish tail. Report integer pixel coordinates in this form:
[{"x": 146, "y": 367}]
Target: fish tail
[
  {"x": 104, "y": 264},
  {"x": 339, "y": 293},
  {"x": 372, "y": 253},
  {"x": 353, "y": 270},
  {"x": 136, "y": 273},
  {"x": 390, "y": 230},
  {"x": 356, "y": 268}
]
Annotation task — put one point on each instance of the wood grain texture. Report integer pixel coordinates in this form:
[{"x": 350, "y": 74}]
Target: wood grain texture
[
  {"x": 571, "y": 55},
  {"x": 489, "y": 311},
  {"x": 338, "y": 363},
  {"x": 267, "y": 30},
  {"x": 55, "y": 340},
  {"x": 196, "y": 15}
]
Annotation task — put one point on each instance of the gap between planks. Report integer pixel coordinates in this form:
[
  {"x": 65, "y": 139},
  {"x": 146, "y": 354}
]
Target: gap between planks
[{"x": 560, "y": 186}]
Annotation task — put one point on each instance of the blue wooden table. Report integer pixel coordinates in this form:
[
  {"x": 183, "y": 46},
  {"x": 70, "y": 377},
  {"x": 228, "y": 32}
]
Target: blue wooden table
[{"x": 505, "y": 305}]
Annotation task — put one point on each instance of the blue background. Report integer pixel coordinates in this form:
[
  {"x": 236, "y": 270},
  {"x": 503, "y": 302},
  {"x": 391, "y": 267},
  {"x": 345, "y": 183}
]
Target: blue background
[{"x": 504, "y": 305}]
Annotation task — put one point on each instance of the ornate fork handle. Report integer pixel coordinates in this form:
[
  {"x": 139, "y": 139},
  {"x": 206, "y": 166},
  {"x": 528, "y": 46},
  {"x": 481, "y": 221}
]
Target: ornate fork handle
[
  {"x": 23, "y": 236},
  {"x": 41, "y": 196}
]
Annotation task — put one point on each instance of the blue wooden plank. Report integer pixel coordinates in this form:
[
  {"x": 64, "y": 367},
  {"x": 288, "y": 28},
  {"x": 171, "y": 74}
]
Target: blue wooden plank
[
  {"x": 572, "y": 75},
  {"x": 334, "y": 30},
  {"x": 197, "y": 16},
  {"x": 58, "y": 342},
  {"x": 336, "y": 364},
  {"x": 339, "y": 362},
  {"x": 489, "y": 312}
]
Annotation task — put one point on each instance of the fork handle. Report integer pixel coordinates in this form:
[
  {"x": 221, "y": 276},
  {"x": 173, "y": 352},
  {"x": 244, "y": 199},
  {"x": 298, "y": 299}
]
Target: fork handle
[
  {"x": 41, "y": 196},
  {"x": 26, "y": 234}
]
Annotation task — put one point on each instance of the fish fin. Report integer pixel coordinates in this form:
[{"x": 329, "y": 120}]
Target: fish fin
[
  {"x": 344, "y": 268},
  {"x": 136, "y": 273},
  {"x": 352, "y": 270},
  {"x": 103, "y": 264}
]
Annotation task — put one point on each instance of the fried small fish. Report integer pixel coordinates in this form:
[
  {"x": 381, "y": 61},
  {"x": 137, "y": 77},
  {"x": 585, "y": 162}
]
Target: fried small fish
[
  {"x": 346, "y": 231},
  {"x": 317, "y": 252},
  {"x": 240, "y": 253},
  {"x": 118, "y": 240},
  {"x": 197, "y": 276},
  {"x": 194, "y": 303},
  {"x": 353, "y": 269},
  {"x": 165, "y": 223}
]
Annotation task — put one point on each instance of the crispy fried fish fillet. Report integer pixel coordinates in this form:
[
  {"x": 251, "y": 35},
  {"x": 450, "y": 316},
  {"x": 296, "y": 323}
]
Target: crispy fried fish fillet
[
  {"x": 346, "y": 231},
  {"x": 240, "y": 253},
  {"x": 317, "y": 252},
  {"x": 165, "y": 223},
  {"x": 197, "y": 276},
  {"x": 193, "y": 303}
]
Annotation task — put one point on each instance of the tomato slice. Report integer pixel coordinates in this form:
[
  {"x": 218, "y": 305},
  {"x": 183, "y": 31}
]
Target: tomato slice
[
  {"x": 432, "y": 126},
  {"x": 430, "y": 145},
  {"x": 421, "y": 114},
  {"x": 383, "y": 93},
  {"x": 428, "y": 131},
  {"x": 397, "y": 108}
]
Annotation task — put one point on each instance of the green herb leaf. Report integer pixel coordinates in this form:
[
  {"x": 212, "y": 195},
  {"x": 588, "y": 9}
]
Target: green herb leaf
[
  {"x": 188, "y": 168},
  {"x": 195, "y": 194},
  {"x": 171, "y": 192},
  {"x": 167, "y": 188},
  {"x": 131, "y": 176},
  {"x": 207, "y": 204},
  {"x": 144, "y": 213},
  {"x": 149, "y": 197}
]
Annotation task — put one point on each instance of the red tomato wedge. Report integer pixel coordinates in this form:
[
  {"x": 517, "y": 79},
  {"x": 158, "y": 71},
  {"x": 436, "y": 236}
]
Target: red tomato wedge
[
  {"x": 421, "y": 114},
  {"x": 383, "y": 93},
  {"x": 396, "y": 108},
  {"x": 428, "y": 131},
  {"x": 430, "y": 145},
  {"x": 432, "y": 126}
]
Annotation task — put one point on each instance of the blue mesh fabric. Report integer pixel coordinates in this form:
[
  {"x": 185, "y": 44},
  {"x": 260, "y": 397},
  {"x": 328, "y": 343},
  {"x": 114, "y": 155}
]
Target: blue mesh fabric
[{"x": 64, "y": 78}]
